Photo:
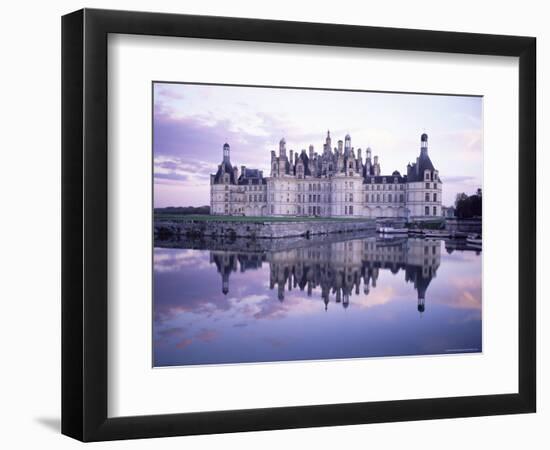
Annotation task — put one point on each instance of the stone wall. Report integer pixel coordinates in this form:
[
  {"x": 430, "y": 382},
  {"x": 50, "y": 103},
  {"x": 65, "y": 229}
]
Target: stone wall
[
  {"x": 464, "y": 225},
  {"x": 246, "y": 245},
  {"x": 260, "y": 229}
]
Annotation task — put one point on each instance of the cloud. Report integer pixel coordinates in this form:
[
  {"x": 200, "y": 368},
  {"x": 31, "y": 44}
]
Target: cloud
[
  {"x": 458, "y": 179},
  {"x": 184, "y": 343},
  {"x": 206, "y": 335}
]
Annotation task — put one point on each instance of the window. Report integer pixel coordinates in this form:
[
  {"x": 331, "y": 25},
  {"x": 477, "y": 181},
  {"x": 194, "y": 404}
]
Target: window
[
  {"x": 427, "y": 197},
  {"x": 389, "y": 198},
  {"x": 378, "y": 198},
  {"x": 435, "y": 210},
  {"x": 377, "y": 187},
  {"x": 350, "y": 197},
  {"x": 427, "y": 211},
  {"x": 367, "y": 198},
  {"x": 346, "y": 209},
  {"x": 435, "y": 197},
  {"x": 390, "y": 187},
  {"x": 401, "y": 198},
  {"x": 427, "y": 176},
  {"x": 427, "y": 185},
  {"x": 351, "y": 210}
]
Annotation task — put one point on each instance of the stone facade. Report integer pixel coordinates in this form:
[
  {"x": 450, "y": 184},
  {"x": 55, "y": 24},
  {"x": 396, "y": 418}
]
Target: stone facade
[{"x": 335, "y": 183}]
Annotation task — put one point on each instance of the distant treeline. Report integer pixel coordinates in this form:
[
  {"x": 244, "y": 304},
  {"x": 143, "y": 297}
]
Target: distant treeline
[
  {"x": 183, "y": 210},
  {"x": 467, "y": 207}
]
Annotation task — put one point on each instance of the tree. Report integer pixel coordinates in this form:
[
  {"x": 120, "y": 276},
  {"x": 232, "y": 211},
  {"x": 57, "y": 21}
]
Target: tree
[
  {"x": 468, "y": 207},
  {"x": 460, "y": 197}
]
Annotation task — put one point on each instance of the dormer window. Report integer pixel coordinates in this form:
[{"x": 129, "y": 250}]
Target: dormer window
[{"x": 427, "y": 176}]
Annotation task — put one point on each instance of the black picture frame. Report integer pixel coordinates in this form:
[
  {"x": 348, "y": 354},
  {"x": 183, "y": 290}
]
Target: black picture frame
[{"x": 84, "y": 224}]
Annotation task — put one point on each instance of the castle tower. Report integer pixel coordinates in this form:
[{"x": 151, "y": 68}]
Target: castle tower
[
  {"x": 328, "y": 141},
  {"x": 347, "y": 144},
  {"x": 424, "y": 144},
  {"x": 282, "y": 148},
  {"x": 226, "y": 150}
]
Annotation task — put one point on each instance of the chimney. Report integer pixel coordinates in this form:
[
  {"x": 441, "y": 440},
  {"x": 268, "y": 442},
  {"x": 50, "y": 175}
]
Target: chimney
[
  {"x": 291, "y": 156},
  {"x": 310, "y": 151}
]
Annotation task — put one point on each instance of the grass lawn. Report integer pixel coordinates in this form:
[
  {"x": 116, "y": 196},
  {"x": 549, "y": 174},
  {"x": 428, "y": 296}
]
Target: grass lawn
[{"x": 176, "y": 217}]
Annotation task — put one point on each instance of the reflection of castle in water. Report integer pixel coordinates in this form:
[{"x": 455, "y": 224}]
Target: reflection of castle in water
[{"x": 338, "y": 269}]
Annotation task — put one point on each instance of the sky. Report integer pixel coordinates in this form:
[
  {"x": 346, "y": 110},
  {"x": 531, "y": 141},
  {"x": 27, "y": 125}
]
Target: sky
[{"x": 192, "y": 122}]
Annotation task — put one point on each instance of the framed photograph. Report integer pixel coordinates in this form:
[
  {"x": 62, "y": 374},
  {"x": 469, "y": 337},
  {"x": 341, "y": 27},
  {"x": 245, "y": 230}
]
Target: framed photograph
[{"x": 273, "y": 224}]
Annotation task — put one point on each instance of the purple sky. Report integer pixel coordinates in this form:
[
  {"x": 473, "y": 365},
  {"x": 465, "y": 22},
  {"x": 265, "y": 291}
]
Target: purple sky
[{"x": 192, "y": 122}]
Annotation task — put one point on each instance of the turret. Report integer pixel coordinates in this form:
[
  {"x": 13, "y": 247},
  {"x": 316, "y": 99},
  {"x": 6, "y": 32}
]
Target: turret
[
  {"x": 311, "y": 149},
  {"x": 328, "y": 141},
  {"x": 340, "y": 147},
  {"x": 347, "y": 144},
  {"x": 282, "y": 148},
  {"x": 226, "y": 150},
  {"x": 424, "y": 144},
  {"x": 421, "y": 305}
]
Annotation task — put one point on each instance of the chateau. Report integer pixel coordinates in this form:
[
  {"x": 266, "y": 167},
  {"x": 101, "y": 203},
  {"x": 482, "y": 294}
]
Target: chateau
[{"x": 334, "y": 183}]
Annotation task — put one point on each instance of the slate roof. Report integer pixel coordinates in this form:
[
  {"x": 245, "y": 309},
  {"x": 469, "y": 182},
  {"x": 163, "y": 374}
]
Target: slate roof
[
  {"x": 424, "y": 163},
  {"x": 305, "y": 160},
  {"x": 223, "y": 169},
  {"x": 251, "y": 176}
]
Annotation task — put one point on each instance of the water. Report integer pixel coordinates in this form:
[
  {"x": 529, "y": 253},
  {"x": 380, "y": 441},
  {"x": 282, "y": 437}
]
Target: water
[{"x": 334, "y": 297}]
